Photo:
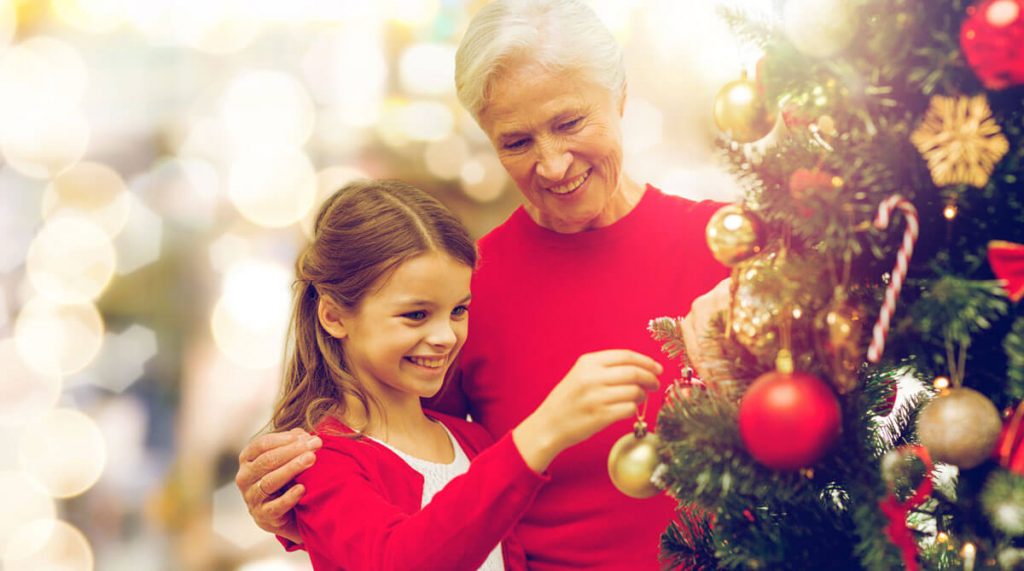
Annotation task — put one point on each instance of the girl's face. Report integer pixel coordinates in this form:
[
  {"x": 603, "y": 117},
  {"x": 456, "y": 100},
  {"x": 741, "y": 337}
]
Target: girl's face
[{"x": 405, "y": 335}]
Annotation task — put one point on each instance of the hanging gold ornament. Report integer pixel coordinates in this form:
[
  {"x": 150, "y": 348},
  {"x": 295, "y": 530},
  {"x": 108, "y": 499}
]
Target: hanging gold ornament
[
  {"x": 959, "y": 427},
  {"x": 741, "y": 111},
  {"x": 733, "y": 234},
  {"x": 841, "y": 326},
  {"x": 633, "y": 460},
  {"x": 770, "y": 287},
  {"x": 960, "y": 139}
]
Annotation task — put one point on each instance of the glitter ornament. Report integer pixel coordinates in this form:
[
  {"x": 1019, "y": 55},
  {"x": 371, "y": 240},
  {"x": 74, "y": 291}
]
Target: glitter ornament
[
  {"x": 768, "y": 288},
  {"x": 960, "y": 140},
  {"x": 841, "y": 326},
  {"x": 960, "y": 427}
]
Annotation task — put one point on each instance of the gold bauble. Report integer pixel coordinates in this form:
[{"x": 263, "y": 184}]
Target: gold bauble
[
  {"x": 733, "y": 234},
  {"x": 959, "y": 427},
  {"x": 767, "y": 285},
  {"x": 631, "y": 464},
  {"x": 841, "y": 326},
  {"x": 741, "y": 111}
]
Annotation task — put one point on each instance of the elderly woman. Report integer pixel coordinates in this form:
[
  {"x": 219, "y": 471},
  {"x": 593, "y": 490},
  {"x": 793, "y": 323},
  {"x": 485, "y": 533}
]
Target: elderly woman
[{"x": 588, "y": 259}]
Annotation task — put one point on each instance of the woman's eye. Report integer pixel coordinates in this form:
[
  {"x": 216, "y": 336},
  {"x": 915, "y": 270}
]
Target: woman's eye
[
  {"x": 460, "y": 311},
  {"x": 415, "y": 315},
  {"x": 571, "y": 124},
  {"x": 516, "y": 144}
]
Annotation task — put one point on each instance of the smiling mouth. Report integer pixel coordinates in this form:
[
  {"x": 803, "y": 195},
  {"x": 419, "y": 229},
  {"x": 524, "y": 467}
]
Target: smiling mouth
[
  {"x": 572, "y": 185},
  {"x": 428, "y": 362}
]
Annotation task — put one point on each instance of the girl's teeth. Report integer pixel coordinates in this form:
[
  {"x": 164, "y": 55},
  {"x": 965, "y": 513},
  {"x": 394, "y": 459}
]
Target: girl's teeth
[{"x": 432, "y": 363}]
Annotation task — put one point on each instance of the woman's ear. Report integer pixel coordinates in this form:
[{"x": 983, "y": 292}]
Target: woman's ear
[
  {"x": 331, "y": 317},
  {"x": 622, "y": 101}
]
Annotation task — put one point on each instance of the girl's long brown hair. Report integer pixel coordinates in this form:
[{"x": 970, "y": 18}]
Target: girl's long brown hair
[{"x": 362, "y": 233}]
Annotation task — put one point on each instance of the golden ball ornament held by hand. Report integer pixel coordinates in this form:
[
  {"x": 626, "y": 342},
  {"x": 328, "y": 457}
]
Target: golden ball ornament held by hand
[
  {"x": 733, "y": 234},
  {"x": 632, "y": 461},
  {"x": 959, "y": 427},
  {"x": 741, "y": 111}
]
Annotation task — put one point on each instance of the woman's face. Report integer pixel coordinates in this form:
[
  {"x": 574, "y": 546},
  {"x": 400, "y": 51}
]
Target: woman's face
[{"x": 559, "y": 137}]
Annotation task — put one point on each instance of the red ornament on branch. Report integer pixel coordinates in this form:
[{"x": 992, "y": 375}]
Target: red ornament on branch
[
  {"x": 805, "y": 182},
  {"x": 788, "y": 419},
  {"x": 992, "y": 38}
]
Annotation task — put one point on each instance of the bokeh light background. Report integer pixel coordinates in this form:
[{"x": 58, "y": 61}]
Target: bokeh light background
[{"x": 161, "y": 160}]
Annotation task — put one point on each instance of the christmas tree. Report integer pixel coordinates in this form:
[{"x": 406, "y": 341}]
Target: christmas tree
[{"x": 879, "y": 241}]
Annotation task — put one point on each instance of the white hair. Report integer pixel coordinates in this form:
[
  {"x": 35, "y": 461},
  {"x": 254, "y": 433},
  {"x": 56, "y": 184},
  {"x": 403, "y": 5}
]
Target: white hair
[{"x": 558, "y": 35}]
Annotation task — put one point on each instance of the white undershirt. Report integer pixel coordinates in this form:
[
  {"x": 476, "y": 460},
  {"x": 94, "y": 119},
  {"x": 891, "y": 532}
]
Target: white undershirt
[{"x": 436, "y": 476}]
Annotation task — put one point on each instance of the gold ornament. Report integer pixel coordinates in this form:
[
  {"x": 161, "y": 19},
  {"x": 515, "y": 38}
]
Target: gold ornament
[
  {"x": 961, "y": 140},
  {"x": 632, "y": 461},
  {"x": 741, "y": 111},
  {"x": 841, "y": 325},
  {"x": 959, "y": 427},
  {"x": 767, "y": 285},
  {"x": 733, "y": 234}
]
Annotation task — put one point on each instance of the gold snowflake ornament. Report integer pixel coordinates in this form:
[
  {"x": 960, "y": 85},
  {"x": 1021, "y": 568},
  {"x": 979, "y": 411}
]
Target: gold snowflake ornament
[{"x": 960, "y": 140}]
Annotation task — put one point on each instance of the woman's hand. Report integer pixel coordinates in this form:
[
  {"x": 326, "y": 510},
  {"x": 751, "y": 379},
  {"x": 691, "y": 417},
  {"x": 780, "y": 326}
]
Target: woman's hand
[
  {"x": 265, "y": 467},
  {"x": 696, "y": 326},
  {"x": 601, "y": 388}
]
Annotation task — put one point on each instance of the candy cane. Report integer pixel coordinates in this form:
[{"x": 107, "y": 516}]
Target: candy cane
[{"x": 899, "y": 272}]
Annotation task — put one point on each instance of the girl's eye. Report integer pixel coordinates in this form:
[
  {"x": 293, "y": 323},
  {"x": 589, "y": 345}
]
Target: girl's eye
[
  {"x": 415, "y": 315},
  {"x": 460, "y": 311}
]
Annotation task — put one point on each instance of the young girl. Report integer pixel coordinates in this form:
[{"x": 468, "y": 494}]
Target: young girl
[{"x": 382, "y": 309}]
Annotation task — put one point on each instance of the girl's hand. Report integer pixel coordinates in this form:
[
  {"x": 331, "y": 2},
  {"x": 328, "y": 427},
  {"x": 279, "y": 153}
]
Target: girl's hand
[{"x": 601, "y": 388}]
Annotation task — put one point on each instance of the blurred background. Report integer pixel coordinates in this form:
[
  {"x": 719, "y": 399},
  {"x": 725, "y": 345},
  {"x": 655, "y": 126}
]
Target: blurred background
[{"x": 160, "y": 163}]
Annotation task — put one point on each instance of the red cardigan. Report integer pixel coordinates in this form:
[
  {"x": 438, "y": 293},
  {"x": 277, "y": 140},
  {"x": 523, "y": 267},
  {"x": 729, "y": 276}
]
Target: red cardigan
[{"x": 361, "y": 509}]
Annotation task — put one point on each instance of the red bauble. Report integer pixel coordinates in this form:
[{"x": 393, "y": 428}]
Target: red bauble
[
  {"x": 805, "y": 182},
  {"x": 789, "y": 420},
  {"x": 992, "y": 38}
]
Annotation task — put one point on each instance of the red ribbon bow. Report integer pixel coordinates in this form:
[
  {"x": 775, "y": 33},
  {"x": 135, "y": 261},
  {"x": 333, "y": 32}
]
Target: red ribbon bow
[
  {"x": 1010, "y": 446},
  {"x": 1007, "y": 261},
  {"x": 897, "y": 530}
]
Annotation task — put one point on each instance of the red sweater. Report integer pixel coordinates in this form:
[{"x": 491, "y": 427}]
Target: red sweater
[
  {"x": 542, "y": 299},
  {"x": 362, "y": 511}
]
